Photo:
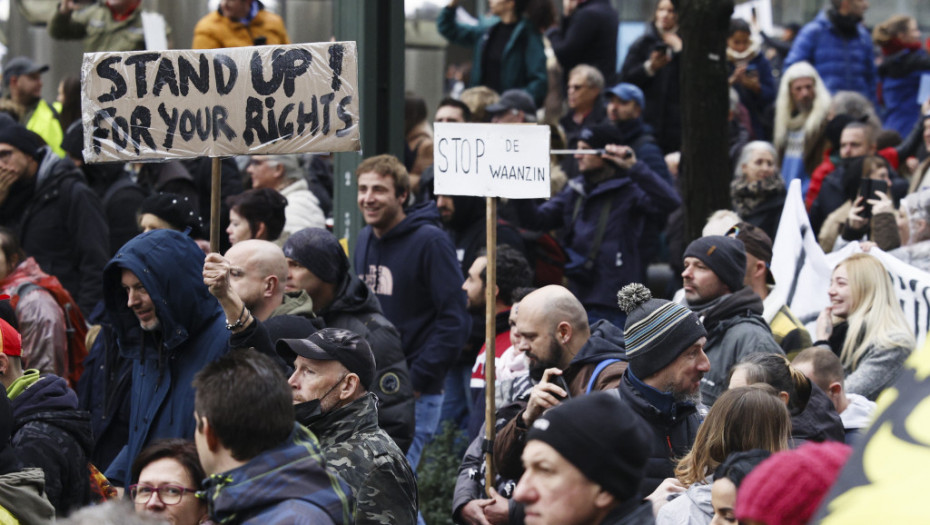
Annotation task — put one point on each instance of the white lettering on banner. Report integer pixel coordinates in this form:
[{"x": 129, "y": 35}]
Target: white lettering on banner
[
  {"x": 491, "y": 160},
  {"x": 802, "y": 271},
  {"x": 145, "y": 105}
]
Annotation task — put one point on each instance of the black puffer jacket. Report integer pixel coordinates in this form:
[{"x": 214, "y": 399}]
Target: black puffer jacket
[
  {"x": 357, "y": 309},
  {"x": 49, "y": 432},
  {"x": 674, "y": 432},
  {"x": 60, "y": 222}
]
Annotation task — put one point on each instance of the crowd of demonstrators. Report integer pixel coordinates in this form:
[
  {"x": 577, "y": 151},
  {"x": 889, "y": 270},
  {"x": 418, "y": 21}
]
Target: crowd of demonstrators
[{"x": 356, "y": 358}]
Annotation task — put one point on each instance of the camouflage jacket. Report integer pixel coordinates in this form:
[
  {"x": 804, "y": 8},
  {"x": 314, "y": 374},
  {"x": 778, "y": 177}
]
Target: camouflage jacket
[
  {"x": 368, "y": 460},
  {"x": 284, "y": 485}
]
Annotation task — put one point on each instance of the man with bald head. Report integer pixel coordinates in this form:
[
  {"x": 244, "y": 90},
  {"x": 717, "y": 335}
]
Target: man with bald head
[
  {"x": 566, "y": 357},
  {"x": 258, "y": 272}
]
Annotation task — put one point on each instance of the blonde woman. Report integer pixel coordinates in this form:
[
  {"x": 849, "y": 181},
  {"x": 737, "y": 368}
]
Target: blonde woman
[
  {"x": 865, "y": 325},
  {"x": 744, "y": 418}
]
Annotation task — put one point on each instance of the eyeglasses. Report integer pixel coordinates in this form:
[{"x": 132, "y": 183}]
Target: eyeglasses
[{"x": 168, "y": 494}]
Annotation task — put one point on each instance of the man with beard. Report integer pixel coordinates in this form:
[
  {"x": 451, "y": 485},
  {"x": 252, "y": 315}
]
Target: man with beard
[
  {"x": 512, "y": 272},
  {"x": 665, "y": 347},
  {"x": 801, "y": 109},
  {"x": 463, "y": 218},
  {"x": 170, "y": 327},
  {"x": 715, "y": 269},
  {"x": 333, "y": 370},
  {"x": 566, "y": 356},
  {"x": 839, "y": 47}
]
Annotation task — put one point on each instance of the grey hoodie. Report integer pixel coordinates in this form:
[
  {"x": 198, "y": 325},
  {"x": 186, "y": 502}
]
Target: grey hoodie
[
  {"x": 23, "y": 495},
  {"x": 693, "y": 507}
]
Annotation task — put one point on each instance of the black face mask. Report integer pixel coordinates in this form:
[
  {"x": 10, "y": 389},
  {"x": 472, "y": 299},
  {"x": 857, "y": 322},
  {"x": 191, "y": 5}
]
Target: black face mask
[{"x": 313, "y": 409}]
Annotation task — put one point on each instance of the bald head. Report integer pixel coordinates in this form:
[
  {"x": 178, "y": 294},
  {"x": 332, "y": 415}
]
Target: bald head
[
  {"x": 258, "y": 275},
  {"x": 554, "y": 305}
]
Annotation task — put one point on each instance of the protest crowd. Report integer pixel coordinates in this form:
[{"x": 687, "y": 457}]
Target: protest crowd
[{"x": 639, "y": 376}]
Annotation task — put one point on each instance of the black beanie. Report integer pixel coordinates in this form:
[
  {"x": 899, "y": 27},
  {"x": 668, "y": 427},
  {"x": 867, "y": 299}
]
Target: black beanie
[
  {"x": 176, "y": 210},
  {"x": 319, "y": 251},
  {"x": 725, "y": 256},
  {"x": 19, "y": 137},
  {"x": 656, "y": 331},
  {"x": 600, "y": 135},
  {"x": 602, "y": 437}
]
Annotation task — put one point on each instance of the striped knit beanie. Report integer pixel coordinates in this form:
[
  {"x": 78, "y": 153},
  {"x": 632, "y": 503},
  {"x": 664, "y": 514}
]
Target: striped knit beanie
[{"x": 657, "y": 331}]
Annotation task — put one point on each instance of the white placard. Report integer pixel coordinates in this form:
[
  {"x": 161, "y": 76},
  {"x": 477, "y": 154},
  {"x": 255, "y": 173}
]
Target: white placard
[
  {"x": 491, "y": 160},
  {"x": 155, "y": 31},
  {"x": 265, "y": 100}
]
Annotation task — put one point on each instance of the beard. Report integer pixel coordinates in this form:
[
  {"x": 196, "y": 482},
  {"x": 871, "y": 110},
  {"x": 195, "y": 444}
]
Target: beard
[
  {"x": 683, "y": 395},
  {"x": 553, "y": 359}
]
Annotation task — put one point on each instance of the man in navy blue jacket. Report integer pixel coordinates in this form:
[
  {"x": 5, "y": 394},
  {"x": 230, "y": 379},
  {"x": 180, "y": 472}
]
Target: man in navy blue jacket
[
  {"x": 603, "y": 213},
  {"x": 410, "y": 264}
]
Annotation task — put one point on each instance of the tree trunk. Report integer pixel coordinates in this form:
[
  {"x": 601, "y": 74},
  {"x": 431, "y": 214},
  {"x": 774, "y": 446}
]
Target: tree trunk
[{"x": 705, "y": 165}]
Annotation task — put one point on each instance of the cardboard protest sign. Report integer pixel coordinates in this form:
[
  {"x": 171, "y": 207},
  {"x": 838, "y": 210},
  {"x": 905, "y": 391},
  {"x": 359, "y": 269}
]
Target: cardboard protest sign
[
  {"x": 802, "y": 271},
  {"x": 146, "y": 105},
  {"x": 491, "y": 160}
]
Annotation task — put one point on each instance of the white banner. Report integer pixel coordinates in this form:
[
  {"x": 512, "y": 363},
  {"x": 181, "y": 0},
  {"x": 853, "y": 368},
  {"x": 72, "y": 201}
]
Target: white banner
[
  {"x": 491, "y": 160},
  {"x": 802, "y": 271},
  {"x": 158, "y": 105}
]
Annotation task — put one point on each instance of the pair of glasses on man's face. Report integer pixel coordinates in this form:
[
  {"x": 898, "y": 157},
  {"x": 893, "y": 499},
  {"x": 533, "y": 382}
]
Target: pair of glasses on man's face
[{"x": 168, "y": 494}]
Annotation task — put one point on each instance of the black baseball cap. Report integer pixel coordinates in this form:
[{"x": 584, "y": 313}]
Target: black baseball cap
[{"x": 333, "y": 344}]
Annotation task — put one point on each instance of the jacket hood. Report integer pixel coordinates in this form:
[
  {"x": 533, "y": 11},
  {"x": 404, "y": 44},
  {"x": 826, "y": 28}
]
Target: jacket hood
[
  {"x": 354, "y": 297},
  {"x": 426, "y": 213},
  {"x": 738, "y": 304},
  {"x": 24, "y": 492},
  {"x": 298, "y": 474},
  {"x": 606, "y": 342},
  {"x": 50, "y": 401},
  {"x": 818, "y": 421},
  {"x": 170, "y": 267}
]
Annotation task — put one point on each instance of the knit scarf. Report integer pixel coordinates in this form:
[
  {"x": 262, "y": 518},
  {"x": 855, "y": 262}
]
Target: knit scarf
[
  {"x": 895, "y": 44},
  {"x": 748, "y": 196}
]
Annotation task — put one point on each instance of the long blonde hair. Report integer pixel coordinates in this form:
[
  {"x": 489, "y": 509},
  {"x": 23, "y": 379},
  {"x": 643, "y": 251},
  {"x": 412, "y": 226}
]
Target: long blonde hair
[
  {"x": 741, "y": 419},
  {"x": 875, "y": 318}
]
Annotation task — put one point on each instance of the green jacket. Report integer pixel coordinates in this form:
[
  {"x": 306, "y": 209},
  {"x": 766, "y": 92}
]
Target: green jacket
[
  {"x": 523, "y": 65},
  {"x": 366, "y": 458},
  {"x": 95, "y": 24}
]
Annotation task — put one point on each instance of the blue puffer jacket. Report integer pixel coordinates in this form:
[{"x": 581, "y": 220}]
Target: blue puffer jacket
[
  {"x": 843, "y": 64},
  {"x": 633, "y": 195},
  {"x": 192, "y": 333},
  {"x": 900, "y": 77},
  {"x": 523, "y": 65}
]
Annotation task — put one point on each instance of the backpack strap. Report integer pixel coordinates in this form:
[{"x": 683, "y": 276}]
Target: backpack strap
[{"x": 597, "y": 372}]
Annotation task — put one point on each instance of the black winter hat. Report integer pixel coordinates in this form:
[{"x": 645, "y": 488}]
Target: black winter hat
[
  {"x": 600, "y": 135},
  {"x": 602, "y": 437},
  {"x": 656, "y": 331},
  {"x": 725, "y": 256},
  {"x": 319, "y": 251},
  {"x": 19, "y": 137},
  {"x": 176, "y": 210}
]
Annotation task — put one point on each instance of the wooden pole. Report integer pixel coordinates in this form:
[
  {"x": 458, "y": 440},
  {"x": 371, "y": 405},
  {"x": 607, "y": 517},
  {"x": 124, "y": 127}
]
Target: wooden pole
[
  {"x": 215, "y": 222},
  {"x": 490, "y": 334}
]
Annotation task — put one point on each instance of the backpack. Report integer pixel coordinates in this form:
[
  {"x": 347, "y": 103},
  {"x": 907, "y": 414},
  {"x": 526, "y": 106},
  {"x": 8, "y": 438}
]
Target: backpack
[{"x": 75, "y": 325}]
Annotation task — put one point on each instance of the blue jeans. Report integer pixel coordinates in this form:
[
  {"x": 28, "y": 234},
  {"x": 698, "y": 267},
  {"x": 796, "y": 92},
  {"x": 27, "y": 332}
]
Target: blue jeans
[
  {"x": 456, "y": 400},
  {"x": 426, "y": 412}
]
